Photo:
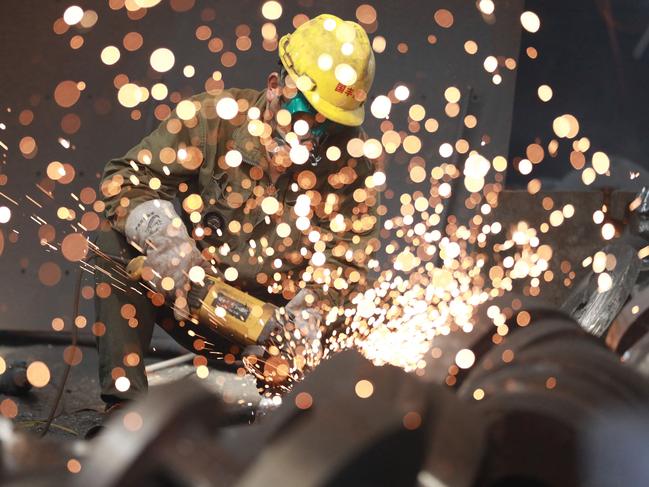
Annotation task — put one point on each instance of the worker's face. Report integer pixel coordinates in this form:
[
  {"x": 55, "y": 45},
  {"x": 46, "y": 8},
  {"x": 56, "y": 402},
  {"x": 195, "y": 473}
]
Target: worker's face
[{"x": 303, "y": 128}]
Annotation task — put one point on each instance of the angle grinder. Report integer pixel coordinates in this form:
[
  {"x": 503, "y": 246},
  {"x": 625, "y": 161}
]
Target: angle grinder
[{"x": 237, "y": 315}]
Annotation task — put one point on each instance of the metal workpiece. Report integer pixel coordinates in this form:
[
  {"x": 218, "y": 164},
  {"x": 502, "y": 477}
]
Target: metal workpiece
[
  {"x": 13, "y": 381},
  {"x": 539, "y": 391},
  {"x": 526, "y": 402},
  {"x": 27, "y": 461},
  {"x": 479, "y": 339},
  {"x": 616, "y": 307},
  {"x": 630, "y": 324},
  {"x": 639, "y": 224},
  {"x": 163, "y": 439},
  {"x": 550, "y": 342},
  {"x": 637, "y": 356},
  {"x": 336, "y": 431},
  {"x": 595, "y": 309},
  {"x": 628, "y": 335}
]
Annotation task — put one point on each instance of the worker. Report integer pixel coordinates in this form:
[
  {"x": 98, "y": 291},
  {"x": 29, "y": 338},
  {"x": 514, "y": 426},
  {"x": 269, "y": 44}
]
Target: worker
[{"x": 257, "y": 187}]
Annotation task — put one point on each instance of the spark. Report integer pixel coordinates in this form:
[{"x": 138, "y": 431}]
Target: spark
[
  {"x": 46, "y": 192},
  {"x": 9, "y": 199},
  {"x": 33, "y": 201}
]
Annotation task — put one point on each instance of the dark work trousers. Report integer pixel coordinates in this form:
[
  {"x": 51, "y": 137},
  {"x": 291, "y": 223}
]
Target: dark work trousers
[{"x": 126, "y": 338}]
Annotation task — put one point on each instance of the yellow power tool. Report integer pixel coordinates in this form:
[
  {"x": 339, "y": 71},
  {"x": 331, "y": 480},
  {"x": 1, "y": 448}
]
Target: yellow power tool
[{"x": 229, "y": 311}]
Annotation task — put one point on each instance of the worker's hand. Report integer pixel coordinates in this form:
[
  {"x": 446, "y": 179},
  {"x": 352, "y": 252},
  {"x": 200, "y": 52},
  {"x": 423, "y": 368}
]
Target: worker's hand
[
  {"x": 307, "y": 320},
  {"x": 156, "y": 230},
  {"x": 292, "y": 349}
]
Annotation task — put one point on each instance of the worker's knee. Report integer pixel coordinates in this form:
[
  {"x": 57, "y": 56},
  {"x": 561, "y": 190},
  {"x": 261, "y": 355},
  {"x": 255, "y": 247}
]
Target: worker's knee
[{"x": 113, "y": 289}]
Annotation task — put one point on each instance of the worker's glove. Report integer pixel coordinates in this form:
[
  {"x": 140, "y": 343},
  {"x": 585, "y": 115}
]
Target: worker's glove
[
  {"x": 291, "y": 350},
  {"x": 154, "y": 228},
  {"x": 307, "y": 319}
]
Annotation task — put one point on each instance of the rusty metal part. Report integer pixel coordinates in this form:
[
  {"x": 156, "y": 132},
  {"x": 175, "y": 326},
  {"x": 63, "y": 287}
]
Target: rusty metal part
[
  {"x": 538, "y": 400},
  {"x": 479, "y": 339},
  {"x": 164, "y": 364},
  {"x": 595, "y": 310},
  {"x": 627, "y": 335},
  {"x": 165, "y": 439},
  {"x": 326, "y": 435},
  {"x": 160, "y": 346},
  {"x": 630, "y": 324},
  {"x": 26, "y": 461},
  {"x": 540, "y": 390},
  {"x": 13, "y": 381},
  {"x": 639, "y": 224},
  {"x": 541, "y": 387},
  {"x": 637, "y": 357},
  {"x": 453, "y": 424}
]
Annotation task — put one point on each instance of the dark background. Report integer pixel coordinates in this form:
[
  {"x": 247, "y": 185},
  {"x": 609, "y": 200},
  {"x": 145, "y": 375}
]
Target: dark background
[{"x": 586, "y": 54}]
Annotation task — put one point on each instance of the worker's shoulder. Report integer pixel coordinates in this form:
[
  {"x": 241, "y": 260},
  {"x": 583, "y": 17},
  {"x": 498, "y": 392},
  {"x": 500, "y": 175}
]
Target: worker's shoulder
[
  {"x": 363, "y": 165},
  {"x": 248, "y": 94}
]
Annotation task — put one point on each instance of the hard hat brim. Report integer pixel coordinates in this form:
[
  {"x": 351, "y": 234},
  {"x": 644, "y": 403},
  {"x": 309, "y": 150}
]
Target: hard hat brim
[{"x": 351, "y": 118}]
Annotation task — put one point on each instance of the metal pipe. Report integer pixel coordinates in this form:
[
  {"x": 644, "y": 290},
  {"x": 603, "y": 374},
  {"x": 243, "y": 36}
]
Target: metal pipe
[
  {"x": 169, "y": 363},
  {"x": 25, "y": 338}
]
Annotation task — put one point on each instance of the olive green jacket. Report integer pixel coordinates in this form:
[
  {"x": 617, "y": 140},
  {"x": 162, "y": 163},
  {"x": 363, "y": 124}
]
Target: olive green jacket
[{"x": 186, "y": 160}]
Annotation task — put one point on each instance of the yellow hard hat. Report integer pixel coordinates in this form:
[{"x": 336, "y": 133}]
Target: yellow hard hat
[{"x": 332, "y": 63}]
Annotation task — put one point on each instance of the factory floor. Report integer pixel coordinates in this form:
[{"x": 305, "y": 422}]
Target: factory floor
[{"x": 81, "y": 407}]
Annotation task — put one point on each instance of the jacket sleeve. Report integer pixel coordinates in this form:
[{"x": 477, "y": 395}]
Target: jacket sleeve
[
  {"x": 155, "y": 167},
  {"x": 348, "y": 221}
]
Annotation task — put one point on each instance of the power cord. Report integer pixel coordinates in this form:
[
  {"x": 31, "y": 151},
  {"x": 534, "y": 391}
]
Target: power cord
[{"x": 68, "y": 365}]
